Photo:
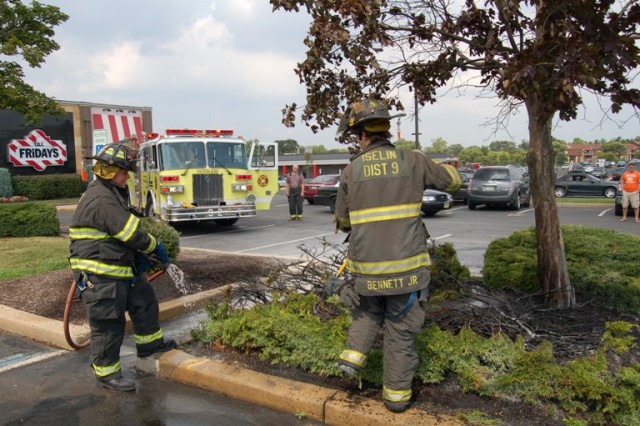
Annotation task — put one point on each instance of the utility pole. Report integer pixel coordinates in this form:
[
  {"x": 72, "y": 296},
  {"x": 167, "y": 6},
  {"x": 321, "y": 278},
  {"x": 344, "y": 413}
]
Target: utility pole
[{"x": 417, "y": 133}]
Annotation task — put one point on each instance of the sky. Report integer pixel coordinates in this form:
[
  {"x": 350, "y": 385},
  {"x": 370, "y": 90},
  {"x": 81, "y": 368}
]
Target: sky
[{"x": 230, "y": 65}]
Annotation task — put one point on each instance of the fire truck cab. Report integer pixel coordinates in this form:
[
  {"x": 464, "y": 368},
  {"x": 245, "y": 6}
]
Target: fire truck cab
[{"x": 197, "y": 175}]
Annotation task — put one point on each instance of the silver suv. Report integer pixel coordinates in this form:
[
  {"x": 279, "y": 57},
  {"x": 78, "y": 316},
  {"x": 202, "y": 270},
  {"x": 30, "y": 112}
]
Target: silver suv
[
  {"x": 500, "y": 186},
  {"x": 618, "y": 206}
]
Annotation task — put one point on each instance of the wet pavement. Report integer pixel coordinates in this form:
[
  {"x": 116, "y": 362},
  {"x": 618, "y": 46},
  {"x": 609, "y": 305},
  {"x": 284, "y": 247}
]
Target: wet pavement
[{"x": 47, "y": 386}]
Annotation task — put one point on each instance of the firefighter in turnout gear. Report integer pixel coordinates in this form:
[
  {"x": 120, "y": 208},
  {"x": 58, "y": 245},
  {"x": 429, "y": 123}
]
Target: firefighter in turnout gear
[
  {"x": 378, "y": 203},
  {"x": 108, "y": 260}
]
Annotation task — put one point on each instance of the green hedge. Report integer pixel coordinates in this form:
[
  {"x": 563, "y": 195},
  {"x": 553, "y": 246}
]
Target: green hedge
[
  {"x": 48, "y": 187},
  {"x": 6, "y": 188},
  {"x": 603, "y": 264},
  {"x": 28, "y": 220},
  {"x": 163, "y": 232}
]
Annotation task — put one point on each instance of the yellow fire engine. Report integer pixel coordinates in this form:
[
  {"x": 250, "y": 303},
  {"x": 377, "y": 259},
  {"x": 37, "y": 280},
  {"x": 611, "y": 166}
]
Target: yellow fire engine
[{"x": 196, "y": 175}]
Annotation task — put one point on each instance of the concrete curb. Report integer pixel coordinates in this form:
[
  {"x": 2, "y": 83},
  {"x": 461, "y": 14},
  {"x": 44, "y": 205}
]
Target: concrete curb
[
  {"x": 51, "y": 331},
  {"x": 329, "y": 406}
]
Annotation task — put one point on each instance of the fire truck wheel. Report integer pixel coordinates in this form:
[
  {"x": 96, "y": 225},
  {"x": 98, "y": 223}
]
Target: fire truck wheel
[
  {"x": 226, "y": 222},
  {"x": 149, "y": 209}
]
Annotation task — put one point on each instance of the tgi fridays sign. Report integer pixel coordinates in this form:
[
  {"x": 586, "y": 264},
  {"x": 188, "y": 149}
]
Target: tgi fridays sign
[{"x": 37, "y": 150}]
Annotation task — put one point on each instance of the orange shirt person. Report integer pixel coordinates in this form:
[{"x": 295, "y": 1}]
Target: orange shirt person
[{"x": 630, "y": 182}]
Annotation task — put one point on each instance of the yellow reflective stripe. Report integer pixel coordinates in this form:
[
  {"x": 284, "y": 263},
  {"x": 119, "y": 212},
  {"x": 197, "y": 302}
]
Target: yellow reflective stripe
[
  {"x": 143, "y": 340},
  {"x": 87, "y": 234},
  {"x": 400, "y": 211},
  {"x": 152, "y": 245},
  {"x": 105, "y": 371},
  {"x": 99, "y": 268},
  {"x": 343, "y": 222},
  {"x": 354, "y": 357},
  {"x": 129, "y": 229},
  {"x": 456, "y": 182},
  {"x": 389, "y": 266},
  {"x": 396, "y": 395}
]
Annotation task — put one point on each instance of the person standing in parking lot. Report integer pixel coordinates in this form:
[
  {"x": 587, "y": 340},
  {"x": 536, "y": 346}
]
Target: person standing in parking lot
[
  {"x": 379, "y": 203},
  {"x": 294, "y": 190},
  {"x": 630, "y": 182}
]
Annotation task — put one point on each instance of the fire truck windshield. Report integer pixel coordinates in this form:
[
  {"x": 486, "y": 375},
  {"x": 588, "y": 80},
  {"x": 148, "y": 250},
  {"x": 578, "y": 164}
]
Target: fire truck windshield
[
  {"x": 181, "y": 155},
  {"x": 227, "y": 154},
  {"x": 197, "y": 154}
]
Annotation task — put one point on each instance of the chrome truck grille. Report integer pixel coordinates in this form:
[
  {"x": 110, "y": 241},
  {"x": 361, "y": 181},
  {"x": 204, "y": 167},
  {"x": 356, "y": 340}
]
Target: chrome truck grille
[{"x": 207, "y": 190}]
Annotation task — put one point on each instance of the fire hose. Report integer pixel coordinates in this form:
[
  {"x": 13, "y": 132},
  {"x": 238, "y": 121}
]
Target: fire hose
[{"x": 67, "y": 312}]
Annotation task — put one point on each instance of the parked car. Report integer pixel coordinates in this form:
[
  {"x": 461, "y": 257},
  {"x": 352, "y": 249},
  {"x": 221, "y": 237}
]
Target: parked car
[
  {"x": 433, "y": 201},
  {"x": 461, "y": 194},
  {"x": 617, "y": 172},
  {"x": 326, "y": 196},
  {"x": 588, "y": 168},
  {"x": 618, "y": 203},
  {"x": 282, "y": 181},
  {"x": 498, "y": 186},
  {"x": 311, "y": 187},
  {"x": 583, "y": 184},
  {"x": 600, "y": 173}
]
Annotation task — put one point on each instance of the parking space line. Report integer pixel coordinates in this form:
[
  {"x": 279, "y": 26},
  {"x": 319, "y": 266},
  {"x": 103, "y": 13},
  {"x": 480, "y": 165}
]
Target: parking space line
[
  {"x": 604, "y": 212},
  {"x": 22, "y": 359},
  {"x": 285, "y": 242},
  {"x": 521, "y": 212},
  {"x": 227, "y": 232},
  {"x": 441, "y": 237}
]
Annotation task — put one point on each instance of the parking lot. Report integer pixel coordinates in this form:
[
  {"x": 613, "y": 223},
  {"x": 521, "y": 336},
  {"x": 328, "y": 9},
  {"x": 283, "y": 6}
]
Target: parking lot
[{"x": 271, "y": 234}]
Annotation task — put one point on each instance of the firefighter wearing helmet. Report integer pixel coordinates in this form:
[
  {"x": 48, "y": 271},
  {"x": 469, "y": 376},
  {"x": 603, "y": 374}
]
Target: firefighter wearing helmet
[
  {"x": 379, "y": 203},
  {"x": 108, "y": 260}
]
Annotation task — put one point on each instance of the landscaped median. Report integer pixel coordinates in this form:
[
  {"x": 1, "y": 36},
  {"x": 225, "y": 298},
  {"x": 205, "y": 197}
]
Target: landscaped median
[{"x": 304, "y": 400}]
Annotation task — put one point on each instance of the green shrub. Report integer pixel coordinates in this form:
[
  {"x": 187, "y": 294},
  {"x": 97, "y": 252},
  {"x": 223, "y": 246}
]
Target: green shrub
[
  {"x": 28, "y": 220},
  {"x": 163, "y": 232},
  {"x": 47, "y": 187},
  {"x": 600, "y": 263},
  {"x": 285, "y": 332},
  {"x": 6, "y": 188},
  {"x": 590, "y": 389}
]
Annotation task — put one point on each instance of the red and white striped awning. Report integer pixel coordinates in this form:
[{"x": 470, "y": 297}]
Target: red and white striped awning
[{"x": 119, "y": 124}]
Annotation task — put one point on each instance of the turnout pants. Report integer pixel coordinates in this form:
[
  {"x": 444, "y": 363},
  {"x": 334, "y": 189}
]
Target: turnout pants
[
  {"x": 295, "y": 203},
  {"x": 400, "y": 359},
  {"x": 105, "y": 303}
]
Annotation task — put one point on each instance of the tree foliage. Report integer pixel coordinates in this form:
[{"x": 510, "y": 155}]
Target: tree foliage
[
  {"x": 288, "y": 146},
  {"x": 540, "y": 54},
  {"x": 26, "y": 31}
]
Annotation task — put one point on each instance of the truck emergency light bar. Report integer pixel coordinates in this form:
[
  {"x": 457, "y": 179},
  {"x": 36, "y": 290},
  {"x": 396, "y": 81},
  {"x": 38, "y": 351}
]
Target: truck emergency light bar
[{"x": 194, "y": 132}]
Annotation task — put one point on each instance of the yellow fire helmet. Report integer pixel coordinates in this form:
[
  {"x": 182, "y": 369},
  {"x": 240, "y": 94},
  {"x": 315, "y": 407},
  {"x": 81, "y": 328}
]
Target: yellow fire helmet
[{"x": 111, "y": 158}]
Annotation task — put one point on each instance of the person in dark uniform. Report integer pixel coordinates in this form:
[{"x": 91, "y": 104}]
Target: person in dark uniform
[
  {"x": 294, "y": 191},
  {"x": 379, "y": 201},
  {"x": 108, "y": 259}
]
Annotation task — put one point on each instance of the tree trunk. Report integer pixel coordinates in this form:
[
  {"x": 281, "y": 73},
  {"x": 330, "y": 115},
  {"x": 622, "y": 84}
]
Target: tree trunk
[{"x": 552, "y": 265}]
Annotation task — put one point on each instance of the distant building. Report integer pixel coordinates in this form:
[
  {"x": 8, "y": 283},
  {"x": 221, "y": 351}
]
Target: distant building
[{"x": 579, "y": 153}]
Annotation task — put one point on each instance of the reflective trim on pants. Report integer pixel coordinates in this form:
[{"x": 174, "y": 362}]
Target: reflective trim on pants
[
  {"x": 396, "y": 395},
  {"x": 143, "y": 340},
  {"x": 102, "y": 371},
  {"x": 353, "y": 357}
]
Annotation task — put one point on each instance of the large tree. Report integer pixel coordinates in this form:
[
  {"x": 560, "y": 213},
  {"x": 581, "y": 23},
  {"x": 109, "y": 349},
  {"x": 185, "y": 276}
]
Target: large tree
[
  {"x": 26, "y": 31},
  {"x": 536, "y": 53}
]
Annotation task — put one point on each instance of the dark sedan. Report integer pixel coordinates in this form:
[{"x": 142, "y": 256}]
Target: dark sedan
[
  {"x": 583, "y": 184},
  {"x": 433, "y": 201},
  {"x": 326, "y": 196},
  {"x": 311, "y": 187}
]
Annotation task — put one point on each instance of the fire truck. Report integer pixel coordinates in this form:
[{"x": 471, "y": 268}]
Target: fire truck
[{"x": 203, "y": 175}]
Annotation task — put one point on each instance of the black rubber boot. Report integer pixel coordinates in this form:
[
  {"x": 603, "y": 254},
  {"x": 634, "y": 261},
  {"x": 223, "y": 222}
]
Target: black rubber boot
[
  {"x": 166, "y": 345},
  {"x": 119, "y": 384},
  {"x": 396, "y": 407}
]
